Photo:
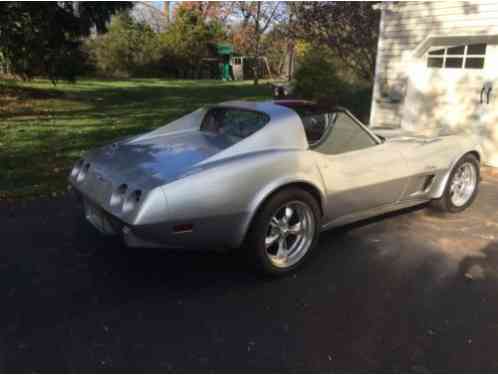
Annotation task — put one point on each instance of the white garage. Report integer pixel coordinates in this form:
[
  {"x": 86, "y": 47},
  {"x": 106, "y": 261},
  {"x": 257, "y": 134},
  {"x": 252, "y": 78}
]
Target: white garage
[{"x": 437, "y": 70}]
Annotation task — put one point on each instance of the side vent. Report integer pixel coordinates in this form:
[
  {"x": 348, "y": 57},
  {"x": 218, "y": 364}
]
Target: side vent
[
  {"x": 421, "y": 185},
  {"x": 428, "y": 183}
]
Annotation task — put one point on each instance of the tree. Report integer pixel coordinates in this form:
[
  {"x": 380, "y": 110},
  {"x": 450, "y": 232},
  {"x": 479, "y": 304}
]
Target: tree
[
  {"x": 187, "y": 39},
  {"x": 129, "y": 48},
  {"x": 277, "y": 47},
  {"x": 209, "y": 10},
  {"x": 145, "y": 13},
  {"x": 349, "y": 29},
  {"x": 257, "y": 17},
  {"x": 45, "y": 38}
]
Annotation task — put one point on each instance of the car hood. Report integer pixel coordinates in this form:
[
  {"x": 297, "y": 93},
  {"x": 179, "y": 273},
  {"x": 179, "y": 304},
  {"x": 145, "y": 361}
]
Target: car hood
[
  {"x": 151, "y": 161},
  {"x": 415, "y": 136}
]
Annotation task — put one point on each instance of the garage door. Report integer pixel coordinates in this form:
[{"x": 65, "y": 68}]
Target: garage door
[{"x": 453, "y": 87}]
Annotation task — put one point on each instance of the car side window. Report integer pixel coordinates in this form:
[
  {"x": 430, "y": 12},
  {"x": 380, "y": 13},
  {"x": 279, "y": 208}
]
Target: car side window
[
  {"x": 315, "y": 126},
  {"x": 344, "y": 135},
  {"x": 233, "y": 122},
  {"x": 315, "y": 122}
]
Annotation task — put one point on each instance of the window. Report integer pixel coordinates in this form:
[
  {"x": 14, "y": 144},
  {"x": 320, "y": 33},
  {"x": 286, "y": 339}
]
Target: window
[
  {"x": 344, "y": 135},
  {"x": 476, "y": 49},
  {"x": 330, "y": 132},
  {"x": 470, "y": 56},
  {"x": 459, "y": 50},
  {"x": 474, "y": 62},
  {"x": 233, "y": 123},
  {"x": 435, "y": 62},
  {"x": 314, "y": 120},
  {"x": 453, "y": 62},
  {"x": 315, "y": 126}
]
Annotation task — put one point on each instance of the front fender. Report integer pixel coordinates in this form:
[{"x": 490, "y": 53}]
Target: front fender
[{"x": 439, "y": 191}]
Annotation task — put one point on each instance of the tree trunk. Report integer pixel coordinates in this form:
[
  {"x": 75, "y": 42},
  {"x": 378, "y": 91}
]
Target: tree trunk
[
  {"x": 291, "y": 61},
  {"x": 258, "y": 38}
]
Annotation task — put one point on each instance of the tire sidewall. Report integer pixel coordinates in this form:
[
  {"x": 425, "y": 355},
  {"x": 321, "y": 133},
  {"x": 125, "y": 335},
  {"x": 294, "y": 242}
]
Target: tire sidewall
[{"x": 259, "y": 227}]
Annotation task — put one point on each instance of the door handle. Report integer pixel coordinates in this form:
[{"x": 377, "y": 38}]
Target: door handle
[{"x": 489, "y": 92}]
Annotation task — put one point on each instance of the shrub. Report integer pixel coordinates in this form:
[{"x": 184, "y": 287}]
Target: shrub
[
  {"x": 127, "y": 49},
  {"x": 317, "y": 77},
  {"x": 322, "y": 78},
  {"x": 186, "y": 41}
]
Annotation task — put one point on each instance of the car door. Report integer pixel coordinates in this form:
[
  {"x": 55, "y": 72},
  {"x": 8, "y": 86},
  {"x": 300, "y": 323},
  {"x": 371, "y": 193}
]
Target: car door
[{"x": 360, "y": 172}]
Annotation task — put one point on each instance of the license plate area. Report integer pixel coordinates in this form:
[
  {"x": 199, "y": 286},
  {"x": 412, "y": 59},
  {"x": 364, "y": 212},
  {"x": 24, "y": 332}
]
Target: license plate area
[{"x": 98, "y": 218}]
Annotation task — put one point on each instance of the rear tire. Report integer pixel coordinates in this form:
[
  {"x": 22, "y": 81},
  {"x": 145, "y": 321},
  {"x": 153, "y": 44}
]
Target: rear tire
[
  {"x": 284, "y": 232},
  {"x": 462, "y": 186}
]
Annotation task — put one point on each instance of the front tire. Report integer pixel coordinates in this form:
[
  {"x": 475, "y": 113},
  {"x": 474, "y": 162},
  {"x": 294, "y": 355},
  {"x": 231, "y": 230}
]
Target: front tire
[
  {"x": 462, "y": 186},
  {"x": 284, "y": 231}
]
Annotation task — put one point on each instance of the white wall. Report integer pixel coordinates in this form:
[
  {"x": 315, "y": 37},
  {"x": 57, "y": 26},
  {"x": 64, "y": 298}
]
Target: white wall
[{"x": 406, "y": 25}]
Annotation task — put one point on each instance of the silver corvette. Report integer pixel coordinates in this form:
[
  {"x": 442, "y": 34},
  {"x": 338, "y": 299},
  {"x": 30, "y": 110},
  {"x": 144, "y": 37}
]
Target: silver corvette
[{"x": 266, "y": 175}]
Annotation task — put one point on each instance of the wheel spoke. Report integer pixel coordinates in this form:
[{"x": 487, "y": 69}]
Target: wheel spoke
[
  {"x": 288, "y": 214},
  {"x": 274, "y": 223},
  {"x": 296, "y": 228},
  {"x": 282, "y": 250},
  {"x": 270, "y": 240},
  {"x": 453, "y": 186}
]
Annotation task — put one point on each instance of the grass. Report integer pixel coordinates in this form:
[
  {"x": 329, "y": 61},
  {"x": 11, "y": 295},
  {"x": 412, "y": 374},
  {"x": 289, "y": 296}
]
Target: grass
[{"x": 44, "y": 129}]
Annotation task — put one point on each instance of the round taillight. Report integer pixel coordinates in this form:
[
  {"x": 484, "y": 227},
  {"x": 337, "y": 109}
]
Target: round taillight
[
  {"x": 122, "y": 189},
  {"x": 137, "y": 194},
  {"x": 76, "y": 168},
  {"x": 83, "y": 172},
  {"x": 117, "y": 198},
  {"x": 132, "y": 200}
]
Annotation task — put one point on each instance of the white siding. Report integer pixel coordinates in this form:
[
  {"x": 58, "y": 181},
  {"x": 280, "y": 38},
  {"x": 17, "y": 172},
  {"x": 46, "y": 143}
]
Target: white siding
[{"x": 404, "y": 26}]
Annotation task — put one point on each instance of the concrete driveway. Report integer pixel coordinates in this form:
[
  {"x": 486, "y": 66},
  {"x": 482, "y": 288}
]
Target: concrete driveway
[{"x": 410, "y": 292}]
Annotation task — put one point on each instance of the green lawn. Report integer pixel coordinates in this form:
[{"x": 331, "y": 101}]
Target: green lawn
[{"x": 44, "y": 129}]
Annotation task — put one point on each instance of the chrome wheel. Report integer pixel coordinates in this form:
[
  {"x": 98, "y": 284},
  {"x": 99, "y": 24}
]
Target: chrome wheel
[
  {"x": 463, "y": 184},
  {"x": 290, "y": 234}
]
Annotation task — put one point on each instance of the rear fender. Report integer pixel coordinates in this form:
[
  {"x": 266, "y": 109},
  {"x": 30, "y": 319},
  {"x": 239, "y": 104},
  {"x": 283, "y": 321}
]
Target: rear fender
[{"x": 316, "y": 184}]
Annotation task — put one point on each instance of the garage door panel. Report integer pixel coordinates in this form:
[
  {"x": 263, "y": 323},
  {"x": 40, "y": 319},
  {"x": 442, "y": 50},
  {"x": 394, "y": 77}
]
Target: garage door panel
[{"x": 455, "y": 98}]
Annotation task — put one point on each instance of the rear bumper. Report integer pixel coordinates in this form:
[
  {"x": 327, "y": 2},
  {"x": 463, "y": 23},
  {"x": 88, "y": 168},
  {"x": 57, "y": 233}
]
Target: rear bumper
[
  {"x": 217, "y": 232},
  {"x": 104, "y": 222},
  {"x": 108, "y": 224}
]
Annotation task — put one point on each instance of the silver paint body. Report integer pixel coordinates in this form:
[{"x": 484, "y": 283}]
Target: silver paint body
[{"x": 195, "y": 178}]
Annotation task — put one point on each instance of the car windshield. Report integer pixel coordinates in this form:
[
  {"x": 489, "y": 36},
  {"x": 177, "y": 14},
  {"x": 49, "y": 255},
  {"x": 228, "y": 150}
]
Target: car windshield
[{"x": 234, "y": 123}]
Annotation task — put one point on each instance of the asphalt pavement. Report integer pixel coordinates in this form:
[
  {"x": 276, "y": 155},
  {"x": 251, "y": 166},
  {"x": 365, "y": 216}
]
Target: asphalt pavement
[{"x": 407, "y": 292}]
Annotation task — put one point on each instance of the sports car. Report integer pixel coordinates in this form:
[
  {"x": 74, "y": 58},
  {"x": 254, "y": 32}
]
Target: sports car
[{"x": 267, "y": 177}]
